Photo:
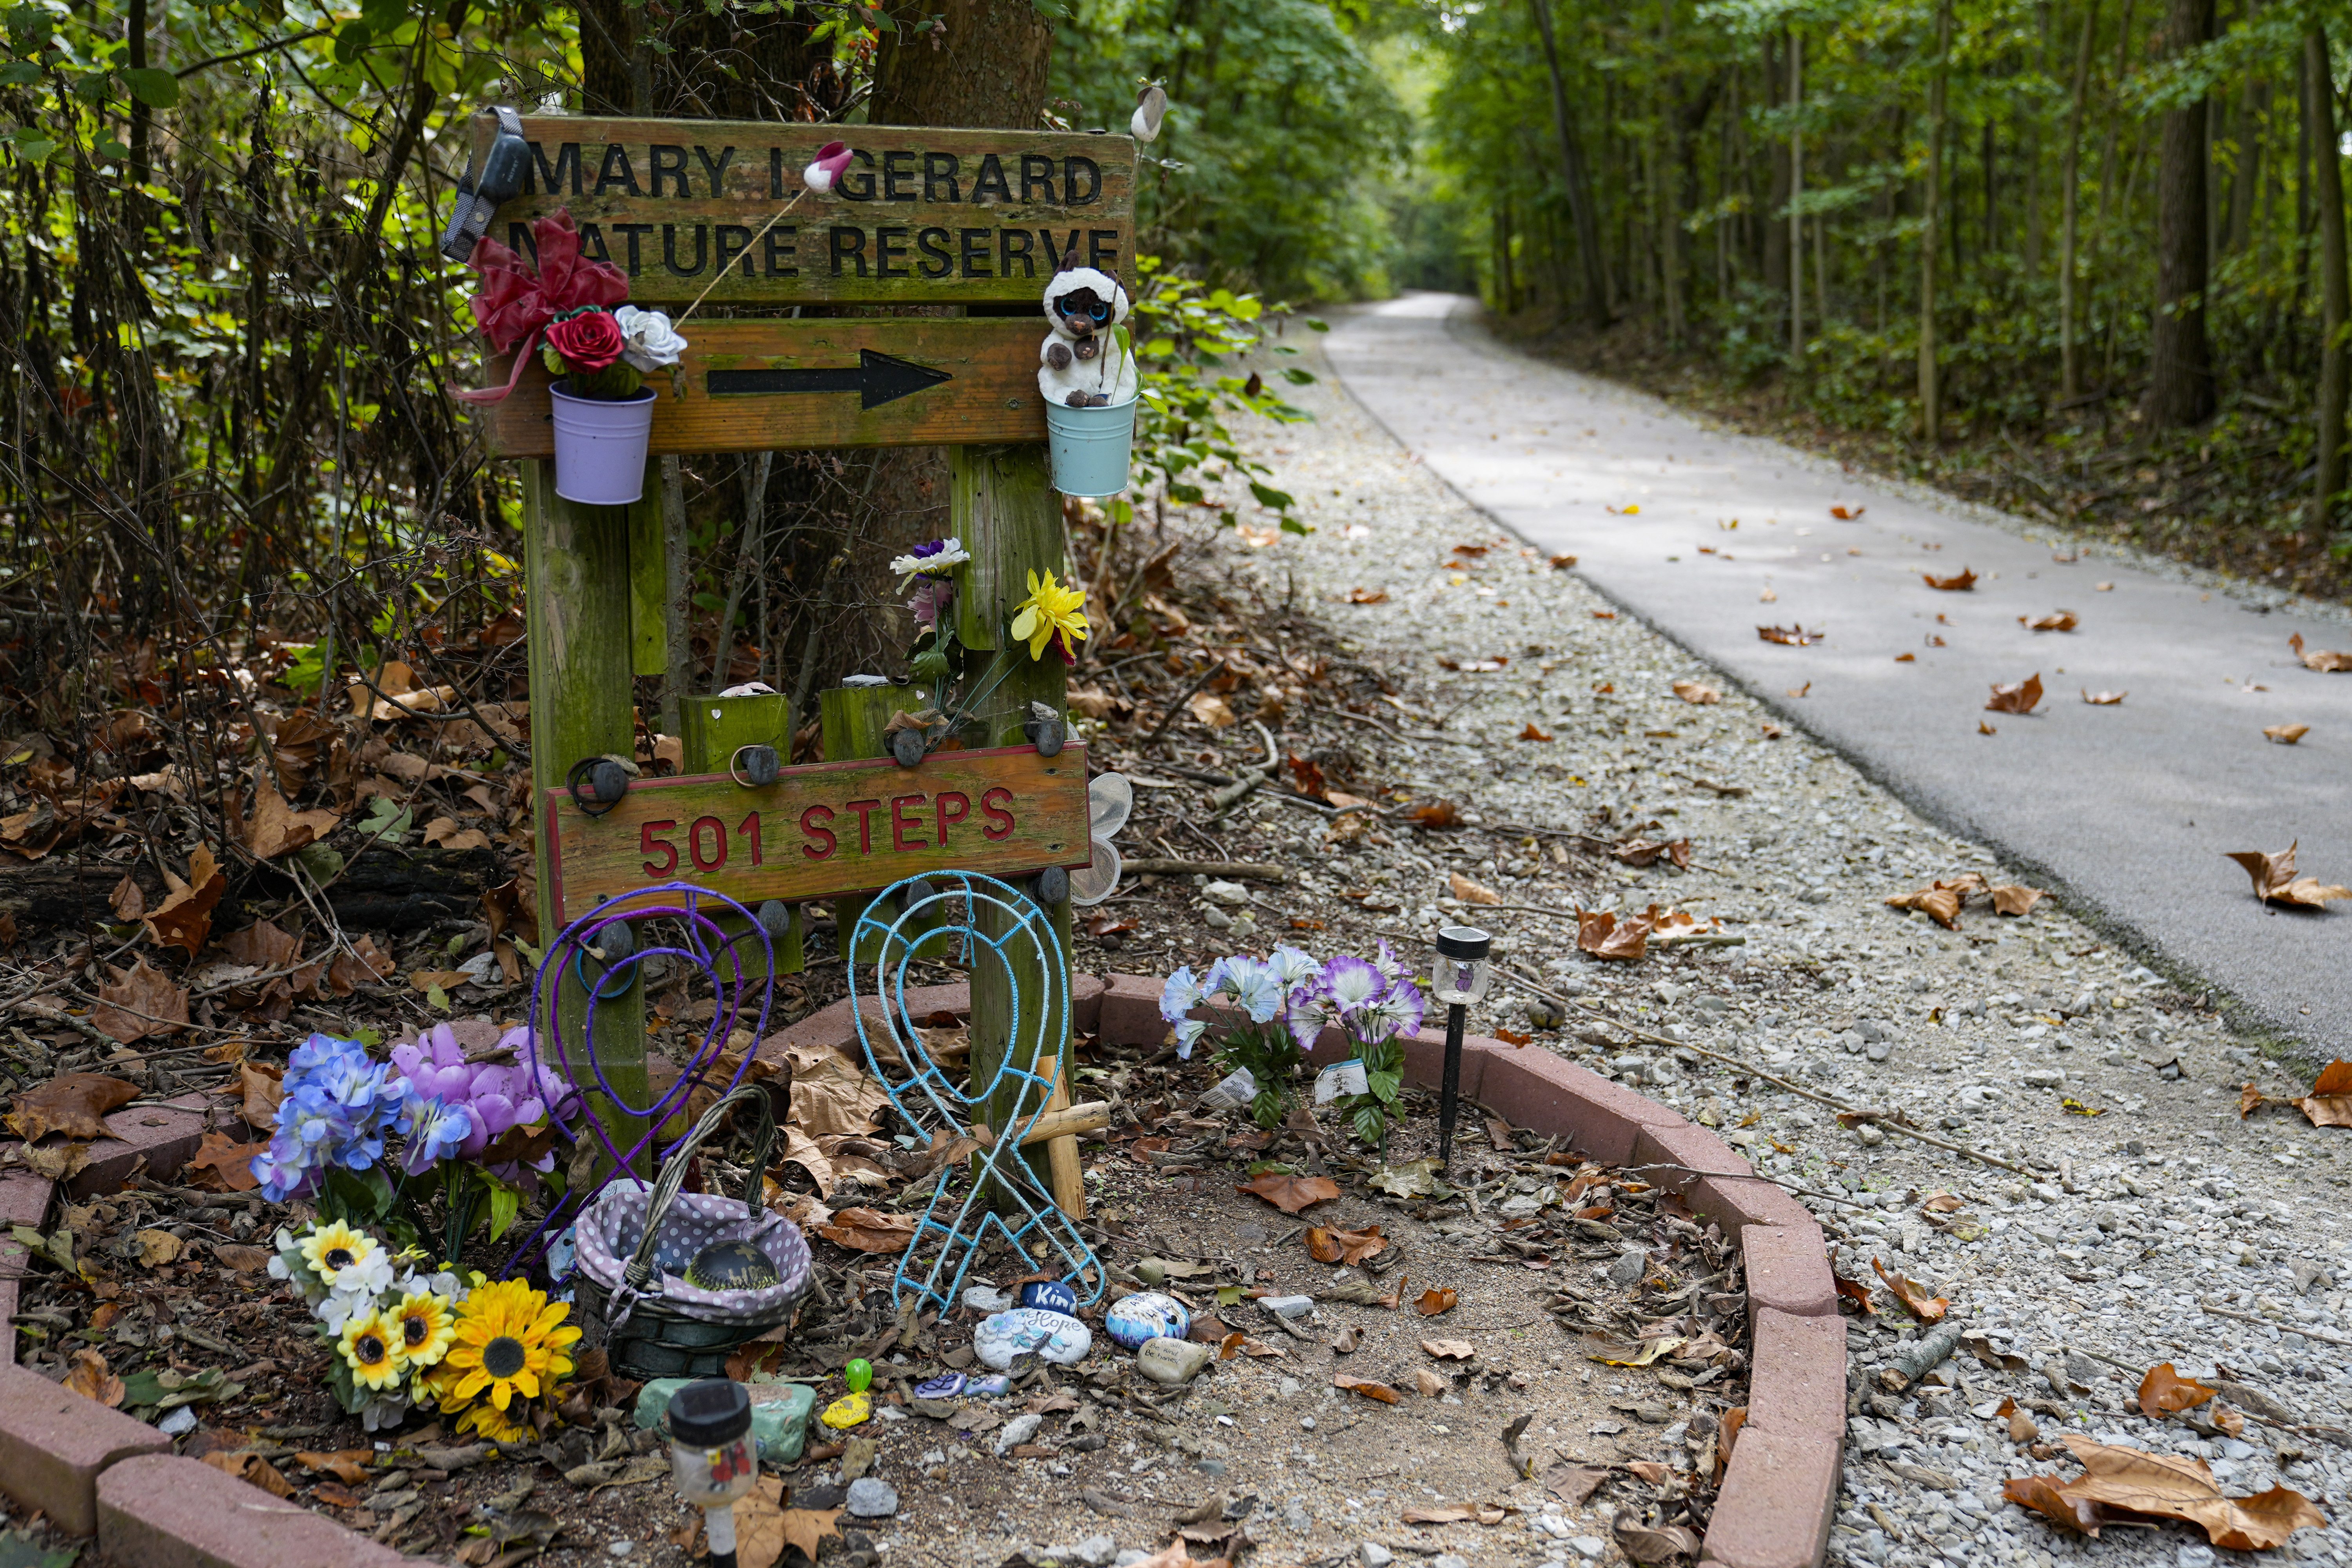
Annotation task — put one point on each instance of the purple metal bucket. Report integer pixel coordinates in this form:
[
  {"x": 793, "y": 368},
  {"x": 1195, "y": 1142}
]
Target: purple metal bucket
[{"x": 600, "y": 446}]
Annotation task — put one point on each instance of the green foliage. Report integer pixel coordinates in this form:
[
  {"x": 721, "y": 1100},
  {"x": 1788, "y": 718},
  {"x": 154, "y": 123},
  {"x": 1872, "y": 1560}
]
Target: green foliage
[
  {"x": 1369, "y": 1115},
  {"x": 1280, "y": 130},
  {"x": 1190, "y": 333},
  {"x": 1271, "y": 1057}
]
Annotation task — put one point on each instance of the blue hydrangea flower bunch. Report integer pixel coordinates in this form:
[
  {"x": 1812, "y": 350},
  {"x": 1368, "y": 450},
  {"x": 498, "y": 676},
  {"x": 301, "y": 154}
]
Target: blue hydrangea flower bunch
[{"x": 339, "y": 1106}]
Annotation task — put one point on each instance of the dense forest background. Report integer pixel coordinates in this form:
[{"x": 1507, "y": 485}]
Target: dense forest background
[{"x": 2084, "y": 256}]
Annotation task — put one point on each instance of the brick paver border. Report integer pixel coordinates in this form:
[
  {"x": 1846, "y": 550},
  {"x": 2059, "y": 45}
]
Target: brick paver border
[{"x": 95, "y": 1469}]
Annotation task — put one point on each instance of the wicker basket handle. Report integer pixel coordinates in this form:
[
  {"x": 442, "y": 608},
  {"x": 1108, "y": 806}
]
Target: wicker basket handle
[{"x": 640, "y": 1268}]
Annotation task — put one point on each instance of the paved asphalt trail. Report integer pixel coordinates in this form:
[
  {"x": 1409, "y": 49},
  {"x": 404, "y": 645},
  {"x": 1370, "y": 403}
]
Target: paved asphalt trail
[{"x": 2128, "y": 809}]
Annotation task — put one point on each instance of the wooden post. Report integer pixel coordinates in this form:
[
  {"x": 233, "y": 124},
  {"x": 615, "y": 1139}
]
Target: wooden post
[
  {"x": 854, "y": 720},
  {"x": 710, "y": 730},
  {"x": 1003, "y": 506},
  {"x": 578, "y": 561}
]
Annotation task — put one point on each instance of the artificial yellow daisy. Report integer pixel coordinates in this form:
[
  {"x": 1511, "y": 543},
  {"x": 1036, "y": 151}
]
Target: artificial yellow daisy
[
  {"x": 495, "y": 1425},
  {"x": 1051, "y": 613},
  {"x": 331, "y": 1249},
  {"x": 371, "y": 1346},
  {"x": 508, "y": 1338},
  {"x": 426, "y": 1326}
]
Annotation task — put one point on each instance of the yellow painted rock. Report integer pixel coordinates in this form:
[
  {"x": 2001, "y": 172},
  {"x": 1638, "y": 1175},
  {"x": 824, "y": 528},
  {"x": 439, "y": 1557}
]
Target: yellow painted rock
[{"x": 848, "y": 1411}]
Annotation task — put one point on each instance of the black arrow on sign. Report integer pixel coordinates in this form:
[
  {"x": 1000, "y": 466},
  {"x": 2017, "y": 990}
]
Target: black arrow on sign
[{"x": 875, "y": 378}]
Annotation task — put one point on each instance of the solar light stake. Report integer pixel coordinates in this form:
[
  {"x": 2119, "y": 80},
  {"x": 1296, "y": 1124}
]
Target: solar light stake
[
  {"x": 711, "y": 1459},
  {"x": 1460, "y": 980}
]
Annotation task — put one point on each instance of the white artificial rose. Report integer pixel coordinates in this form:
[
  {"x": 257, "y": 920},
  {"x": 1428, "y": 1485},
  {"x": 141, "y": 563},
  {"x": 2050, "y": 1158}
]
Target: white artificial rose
[{"x": 653, "y": 343}]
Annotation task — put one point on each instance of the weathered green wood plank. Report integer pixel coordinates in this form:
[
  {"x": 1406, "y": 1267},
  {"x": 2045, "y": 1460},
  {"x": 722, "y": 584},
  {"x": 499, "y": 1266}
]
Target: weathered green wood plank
[
  {"x": 922, "y": 216},
  {"x": 576, "y": 559},
  {"x": 990, "y": 393},
  {"x": 710, "y": 730},
  {"x": 1003, "y": 504},
  {"x": 648, "y": 576},
  {"x": 818, "y": 831},
  {"x": 855, "y": 719}
]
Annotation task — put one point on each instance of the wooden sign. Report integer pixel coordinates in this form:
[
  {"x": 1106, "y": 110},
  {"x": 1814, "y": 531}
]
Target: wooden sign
[
  {"x": 762, "y": 385},
  {"x": 921, "y": 216},
  {"x": 820, "y": 831}
]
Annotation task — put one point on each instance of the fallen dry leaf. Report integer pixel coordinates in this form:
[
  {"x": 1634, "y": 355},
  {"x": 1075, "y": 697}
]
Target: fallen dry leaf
[
  {"x": 1907, "y": 658},
  {"x": 2103, "y": 699},
  {"x": 1345, "y": 1246},
  {"x": 1645, "y": 852},
  {"x": 1291, "y": 1193},
  {"x": 2018, "y": 697},
  {"x": 1471, "y": 892},
  {"x": 1212, "y": 711},
  {"x": 129, "y": 900},
  {"x": 1941, "y": 901},
  {"x": 1428, "y": 1385},
  {"x": 2329, "y": 1103},
  {"x": 75, "y": 1104},
  {"x": 1927, "y": 1308},
  {"x": 2011, "y": 898},
  {"x": 243, "y": 1259},
  {"x": 1959, "y": 583},
  {"x": 2057, "y": 621},
  {"x": 137, "y": 1001},
  {"x": 1601, "y": 933},
  {"x": 2166, "y": 1487},
  {"x": 261, "y": 1084},
  {"x": 1793, "y": 636},
  {"x": 2276, "y": 883},
  {"x": 1693, "y": 692},
  {"x": 87, "y": 1376},
  {"x": 2044, "y": 1496},
  {"x": 347, "y": 1466},
  {"x": 1450, "y": 1350},
  {"x": 869, "y": 1230},
  {"x": 1369, "y": 1388},
  {"x": 185, "y": 918},
  {"x": 1435, "y": 1300},
  {"x": 1646, "y": 1544},
  {"x": 1856, "y": 1291},
  {"x": 1367, "y": 595},
  {"x": 252, "y": 1470},
  {"x": 2318, "y": 660},
  {"x": 2286, "y": 734},
  {"x": 1847, "y": 514},
  {"x": 277, "y": 828},
  {"x": 1985, "y": 729},
  {"x": 2164, "y": 1392},
  {"x": 1637, "y": 1352},
  {"x": 157, "y": 1247},
  {"x": 1436, "y": 814},
  {"x": 1442, "y": 1515},
  {"x": 222, "y": 1165},
  {"x": 1532, "y": 734}
]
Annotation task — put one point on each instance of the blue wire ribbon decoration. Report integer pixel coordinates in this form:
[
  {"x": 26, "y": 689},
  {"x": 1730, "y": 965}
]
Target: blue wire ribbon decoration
[{"x": 930, "y": 915}]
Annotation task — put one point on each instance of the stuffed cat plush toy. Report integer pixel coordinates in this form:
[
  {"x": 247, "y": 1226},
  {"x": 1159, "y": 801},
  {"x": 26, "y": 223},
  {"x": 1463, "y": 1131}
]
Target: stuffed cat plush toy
[{"x": 1081, "y": 364}]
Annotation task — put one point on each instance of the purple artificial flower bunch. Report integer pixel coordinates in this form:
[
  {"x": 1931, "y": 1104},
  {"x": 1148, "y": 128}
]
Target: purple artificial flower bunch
[
  {"x": 465, "y": 1106},
  {"x": 1371, "y": 1001}
]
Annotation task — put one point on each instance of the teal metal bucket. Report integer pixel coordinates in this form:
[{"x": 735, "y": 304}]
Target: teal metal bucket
[{"x": 1090, "y": 448}]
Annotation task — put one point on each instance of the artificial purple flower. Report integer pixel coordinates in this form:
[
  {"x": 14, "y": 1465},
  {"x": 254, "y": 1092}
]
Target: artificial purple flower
[{"x": 932, "y": 596}]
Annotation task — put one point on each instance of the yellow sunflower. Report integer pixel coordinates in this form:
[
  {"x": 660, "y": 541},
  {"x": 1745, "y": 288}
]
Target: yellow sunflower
[
  {"x": 1049, "y": 612},
  {"x": 425, "y": 1326},
  {"x": 509, "y": 1339},
  {"x": 331, "y": 1249},
  {"x": 371, "y": 1348},
  {"x": 494, "y": 1424}
]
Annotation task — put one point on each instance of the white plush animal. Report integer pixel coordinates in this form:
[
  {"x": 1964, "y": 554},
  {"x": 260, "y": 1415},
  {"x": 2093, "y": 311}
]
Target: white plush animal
[{"x": 1081, "y": 364}]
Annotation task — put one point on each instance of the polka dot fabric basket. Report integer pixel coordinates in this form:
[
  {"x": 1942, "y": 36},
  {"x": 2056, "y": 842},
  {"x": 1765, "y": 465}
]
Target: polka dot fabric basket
[{"x": 633, "y": 1296}]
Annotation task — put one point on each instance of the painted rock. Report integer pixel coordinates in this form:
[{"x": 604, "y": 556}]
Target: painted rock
[
  {"x": 1173, "y": 1361},
  {"x": 986, "y": 1298},
  {"x": 1146, "y": 1315},
  {"x": 988, "y": 1387},
  {"x": 1050, "y": 1296},
  {"x": 943, "y": 1387},
  {"x": 731, "y": 1266},
  {"x": 849, "y": 1410},
  {"x": 1051, "y": 1336}
]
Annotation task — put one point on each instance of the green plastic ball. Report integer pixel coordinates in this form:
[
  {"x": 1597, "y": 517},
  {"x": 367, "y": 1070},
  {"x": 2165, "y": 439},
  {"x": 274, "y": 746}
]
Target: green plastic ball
[{"x": 859, "y": 1375}]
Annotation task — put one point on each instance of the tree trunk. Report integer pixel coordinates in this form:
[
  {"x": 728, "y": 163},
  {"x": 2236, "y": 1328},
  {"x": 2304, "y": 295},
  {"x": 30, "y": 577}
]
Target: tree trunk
[
  {"x": 1931, "y": 404},
  {"x": 1776, "y": 233},
  {"x": 1579, "y": 189},
  {"x": 1795, "y": 190},
  {"x": 2181, "y": 364},
  {"x": 2320, "y": 87},
  {"x": 990, "y": 72},
  {"x": 2070, "y": 375}
]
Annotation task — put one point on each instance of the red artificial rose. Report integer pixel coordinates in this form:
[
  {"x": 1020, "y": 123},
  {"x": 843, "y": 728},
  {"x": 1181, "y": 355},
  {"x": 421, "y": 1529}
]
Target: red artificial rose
[{"x": 589, "y": 342}]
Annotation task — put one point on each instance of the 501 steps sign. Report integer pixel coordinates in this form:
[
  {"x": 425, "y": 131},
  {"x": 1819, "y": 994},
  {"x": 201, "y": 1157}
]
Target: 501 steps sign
[{"x": 921, "y": 216}]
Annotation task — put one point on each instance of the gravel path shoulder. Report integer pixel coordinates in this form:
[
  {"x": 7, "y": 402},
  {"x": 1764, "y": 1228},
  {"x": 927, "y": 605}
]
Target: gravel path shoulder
[{"x": 2138, "y": 1195}]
